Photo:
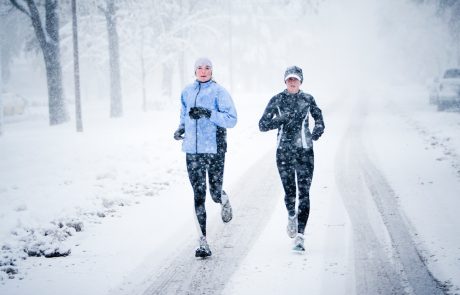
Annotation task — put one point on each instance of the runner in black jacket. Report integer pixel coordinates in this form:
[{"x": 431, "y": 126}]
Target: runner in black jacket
[{"x": 288, "y": 112}]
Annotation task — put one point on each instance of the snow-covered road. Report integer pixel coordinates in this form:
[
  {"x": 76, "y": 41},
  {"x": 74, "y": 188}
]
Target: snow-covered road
[
  {"x": 254, "y": 199},
  {"x": 383, "y": 207},
  {"x": 375, "y": 238},
  {"x": 386, "y": 258}
]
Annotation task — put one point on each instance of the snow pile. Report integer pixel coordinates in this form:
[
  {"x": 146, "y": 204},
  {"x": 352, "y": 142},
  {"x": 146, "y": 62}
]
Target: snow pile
[
  {"x": 47, "y": 240},
  {"x": 56, "y": 191},
  {"x": 44, "y": 241},
  {"x": 50, "y": 240}
]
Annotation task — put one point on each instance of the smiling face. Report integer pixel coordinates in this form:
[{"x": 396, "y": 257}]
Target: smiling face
[
  {"x": 293, "y": 85},
  {"x": 203, "y": 73}
]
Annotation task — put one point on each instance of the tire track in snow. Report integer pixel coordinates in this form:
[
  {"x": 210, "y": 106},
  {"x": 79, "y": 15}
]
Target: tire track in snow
[
  {"x": 386, "y": 258},
  {"x": 253, "y": 200},
  {"x": 374, "y": 273},
  {"x": 416, "y": 272}
]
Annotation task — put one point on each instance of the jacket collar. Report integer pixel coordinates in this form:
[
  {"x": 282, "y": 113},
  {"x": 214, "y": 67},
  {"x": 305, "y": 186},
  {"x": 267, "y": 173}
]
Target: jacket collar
[
  {"x": 286, "y": 92},
  {"x": 203, "y": 84}
]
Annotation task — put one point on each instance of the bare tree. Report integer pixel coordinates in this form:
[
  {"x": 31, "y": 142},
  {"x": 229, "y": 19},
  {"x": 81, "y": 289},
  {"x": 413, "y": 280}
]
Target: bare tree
[
  {"x": 78, "y": 119},
  {"x": 48, "y": 37},
  {"x": 164, "y": 31},
  {"x": 168, "y": 19},
  {"x": 8, "y": 39},
  {"x": 449, "y": 10},
  {"x": 454, "y": 24},
  {"x": 116, "y": 106},
  {"x": 4, "y": 68},
  {"x": 1, "y": 96},
  {"x": 143, "y": 75}
]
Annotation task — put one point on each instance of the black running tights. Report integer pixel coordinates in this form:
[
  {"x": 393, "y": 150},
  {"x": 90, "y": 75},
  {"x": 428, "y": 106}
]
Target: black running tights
[
  {"x": 290, "y": 162},
  {"x": 197, "y": 166}
]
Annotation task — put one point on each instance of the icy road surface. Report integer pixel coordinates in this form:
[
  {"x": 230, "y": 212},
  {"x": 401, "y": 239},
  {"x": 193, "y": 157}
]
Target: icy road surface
[{"x": 359, "y": 240}]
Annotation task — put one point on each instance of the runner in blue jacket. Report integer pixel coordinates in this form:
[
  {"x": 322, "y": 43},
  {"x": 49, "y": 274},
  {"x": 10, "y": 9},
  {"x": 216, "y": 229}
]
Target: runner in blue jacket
[{"x": 207, "y": 110}]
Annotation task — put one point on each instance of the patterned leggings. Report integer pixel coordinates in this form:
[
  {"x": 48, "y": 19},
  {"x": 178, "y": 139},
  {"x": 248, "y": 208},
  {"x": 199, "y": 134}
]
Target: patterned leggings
[
  {"x": 300, "y": 162},
  {"x": 197, "y": 166}
]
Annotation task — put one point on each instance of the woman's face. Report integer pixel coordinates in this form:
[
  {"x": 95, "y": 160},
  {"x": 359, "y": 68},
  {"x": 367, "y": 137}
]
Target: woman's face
[
  {"x": 292, "y": 85},
  {"x": 203, "y": 73}
]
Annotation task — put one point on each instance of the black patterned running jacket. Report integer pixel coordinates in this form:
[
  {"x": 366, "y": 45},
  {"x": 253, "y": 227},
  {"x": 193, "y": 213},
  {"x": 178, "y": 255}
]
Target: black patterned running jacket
[{"x": 289, "y": 113}]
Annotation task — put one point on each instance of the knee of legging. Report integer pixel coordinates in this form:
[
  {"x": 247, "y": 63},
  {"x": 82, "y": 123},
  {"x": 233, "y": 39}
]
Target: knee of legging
[
  {"x": 199, "y": 192},
  {"x": 199, "y": 199},
  {"x": 304, "y": 204},
  {"x": 290, "y": 196},
  {"x": 305, "y": 182}
]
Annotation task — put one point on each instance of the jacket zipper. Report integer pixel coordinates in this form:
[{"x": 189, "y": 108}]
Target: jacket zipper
[{"x": 196, "y": 120}]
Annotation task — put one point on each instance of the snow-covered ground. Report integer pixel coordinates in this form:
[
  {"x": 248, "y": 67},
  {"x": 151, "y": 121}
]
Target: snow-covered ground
[
  {"x": 110, "y": 210},
  {"x": 117, "y": 200},
  {"x": 418, "y": 151}
]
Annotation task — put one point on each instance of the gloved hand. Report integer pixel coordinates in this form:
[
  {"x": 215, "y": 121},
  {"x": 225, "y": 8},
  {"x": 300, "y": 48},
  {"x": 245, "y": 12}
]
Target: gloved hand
[
  {"x": 292, "y": 120},
  {"x": 199, "y": 112},
  {"x": 317, "y": 132},
  {"x": 178, "y": 134},
  {"x": 280, "y": 120}
]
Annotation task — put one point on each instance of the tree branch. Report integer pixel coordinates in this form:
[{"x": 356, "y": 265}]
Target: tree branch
[
  {"x": 20, "y": 7},
  {"x": 102, "y": 9},
  {"x": 37, "y": 25}
]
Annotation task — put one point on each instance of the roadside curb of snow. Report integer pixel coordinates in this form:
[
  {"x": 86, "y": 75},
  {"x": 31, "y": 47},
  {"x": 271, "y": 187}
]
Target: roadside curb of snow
[{"x": 49, "y": 241}]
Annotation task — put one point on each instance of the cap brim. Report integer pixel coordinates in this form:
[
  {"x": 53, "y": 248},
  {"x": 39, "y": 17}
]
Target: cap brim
[{"x": 292, "y": 76}]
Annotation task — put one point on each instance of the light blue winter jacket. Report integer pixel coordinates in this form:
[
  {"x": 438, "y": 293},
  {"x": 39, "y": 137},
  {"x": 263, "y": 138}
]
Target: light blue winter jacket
[{"x": 200, "y": 135}]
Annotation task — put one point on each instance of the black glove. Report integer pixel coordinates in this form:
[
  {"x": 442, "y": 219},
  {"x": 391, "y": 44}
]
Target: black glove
[
  {"x": 178, "y": 134},
  {"x": 317, "y": 132},
  {"x": 280, "y": 120},
  {"x": 292, "y": 120},
  {"x": 199, "y": 112}
]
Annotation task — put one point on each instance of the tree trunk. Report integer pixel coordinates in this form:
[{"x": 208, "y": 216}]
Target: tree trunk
[
  {"x": 182, "y": 69},
  {"x": 78, "y": 120},
  {"x": 144, "y": 97},
  {"x": 48, "y": 39},
  {"x": 167, "y": 80},
  {"x": 56, "y": 104},
  {"x": 230, "y": 45},
  {"x": 183, "y": 35},
  {"x": 57, "y": 108},
  {"x": 116, "y": 107},
  {"x": 1, "y": 96},
  {"x": 5, "y": 58}
]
